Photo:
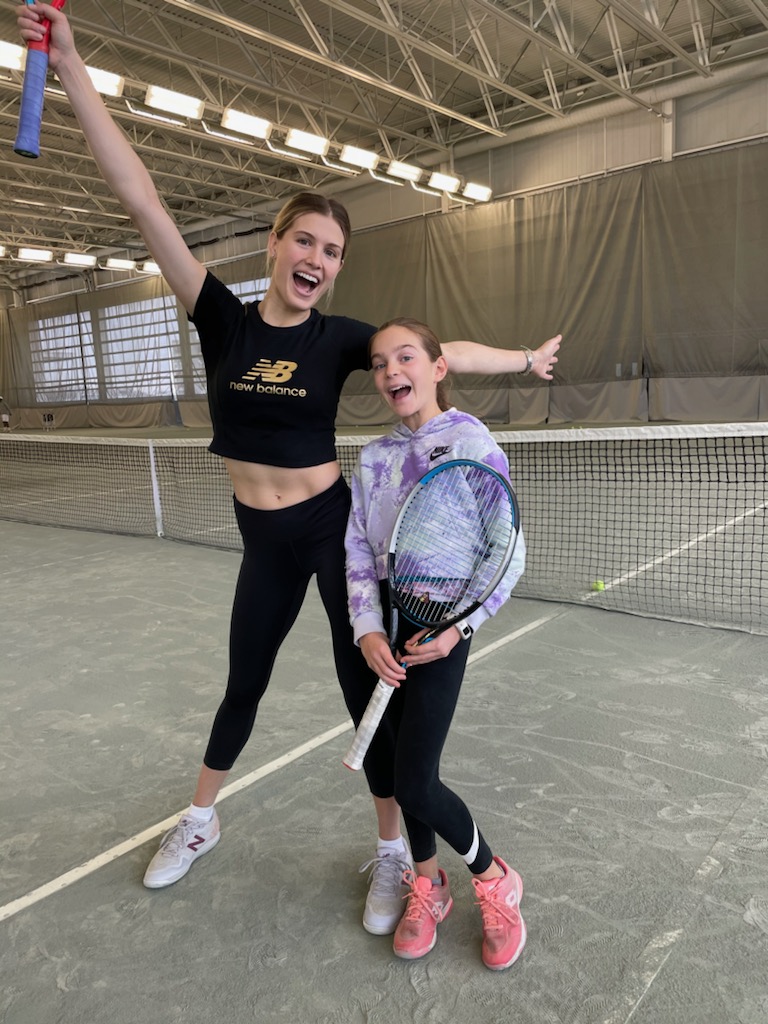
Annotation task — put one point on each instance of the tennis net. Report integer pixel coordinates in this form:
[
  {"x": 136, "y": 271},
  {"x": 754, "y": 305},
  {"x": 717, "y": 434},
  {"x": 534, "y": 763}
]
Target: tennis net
[{"x": 663, "y": 521}]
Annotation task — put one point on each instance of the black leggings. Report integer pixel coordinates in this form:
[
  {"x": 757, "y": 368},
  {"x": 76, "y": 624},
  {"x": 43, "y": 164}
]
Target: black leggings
[
  {"x": 419, "y": 716},
  {"x": 283, "y": 550}
]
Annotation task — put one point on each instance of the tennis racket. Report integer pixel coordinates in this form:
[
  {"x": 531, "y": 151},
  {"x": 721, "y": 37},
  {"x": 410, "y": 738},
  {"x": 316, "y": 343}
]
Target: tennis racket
[
  {"x": 452, "y": 543},
  {"x": 33, "y": 90}
]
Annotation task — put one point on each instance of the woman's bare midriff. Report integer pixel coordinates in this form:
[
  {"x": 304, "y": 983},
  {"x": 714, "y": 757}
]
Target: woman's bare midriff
[{"x": 274, "y": 487}]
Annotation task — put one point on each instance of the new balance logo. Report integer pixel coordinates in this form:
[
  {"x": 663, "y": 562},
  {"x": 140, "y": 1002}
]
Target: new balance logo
[
  {"x": 273, "y": 377},
  {"x": 437, "y": 452},
  {"x": 196, "y": 842},
  {"x": 274, "y": 373}
]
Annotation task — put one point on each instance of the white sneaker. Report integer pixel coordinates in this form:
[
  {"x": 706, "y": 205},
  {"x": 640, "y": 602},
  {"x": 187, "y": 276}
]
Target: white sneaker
[
  {"x": 385, "y": 902},
  {"x": 181, "y": 845}
]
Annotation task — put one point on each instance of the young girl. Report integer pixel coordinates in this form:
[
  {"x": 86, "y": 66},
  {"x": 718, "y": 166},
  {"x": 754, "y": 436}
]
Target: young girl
[
  {"x": 277, "y": 443},
  {"x": 409, "y": 371}
]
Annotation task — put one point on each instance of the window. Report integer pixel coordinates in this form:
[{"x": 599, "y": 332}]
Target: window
[{"x": 63, "y": 358}]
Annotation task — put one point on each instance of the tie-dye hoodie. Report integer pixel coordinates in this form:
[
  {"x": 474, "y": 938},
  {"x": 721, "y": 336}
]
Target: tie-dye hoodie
[{"x": 385, "y": 473}]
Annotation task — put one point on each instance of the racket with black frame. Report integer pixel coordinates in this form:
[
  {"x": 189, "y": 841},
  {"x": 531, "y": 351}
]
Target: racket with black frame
[
  {"x": 33, "y": 91},
  {"x": 452, "y": 543}
]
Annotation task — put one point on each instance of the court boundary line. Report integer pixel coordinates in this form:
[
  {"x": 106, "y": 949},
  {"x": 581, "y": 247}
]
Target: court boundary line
[
  {"x": 660, "y": 559},
  {"x": 128, "y": 845}
]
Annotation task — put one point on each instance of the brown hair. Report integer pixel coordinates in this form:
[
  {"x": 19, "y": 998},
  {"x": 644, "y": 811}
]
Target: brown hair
[{"x": 430, "y": 344}]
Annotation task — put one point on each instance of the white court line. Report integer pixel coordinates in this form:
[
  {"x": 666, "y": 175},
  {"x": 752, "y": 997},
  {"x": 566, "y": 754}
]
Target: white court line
[
  {"x": 678, "y": 551},
  {"x": 70, "y": 877}
]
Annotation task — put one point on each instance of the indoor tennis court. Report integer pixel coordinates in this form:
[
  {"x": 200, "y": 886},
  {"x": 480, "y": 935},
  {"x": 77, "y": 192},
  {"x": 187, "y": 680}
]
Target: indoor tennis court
[{"x": 590, "y": 168}]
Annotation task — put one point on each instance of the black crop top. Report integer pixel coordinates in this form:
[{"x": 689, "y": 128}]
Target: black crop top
[{"x": 273, "y": 391}]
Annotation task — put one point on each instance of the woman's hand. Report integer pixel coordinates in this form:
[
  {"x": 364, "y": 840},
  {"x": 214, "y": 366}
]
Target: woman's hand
[
  {"x": 30, "y": 22},
  {"x": 379, "y": 658},
  {"x": 544, "y": 358}
]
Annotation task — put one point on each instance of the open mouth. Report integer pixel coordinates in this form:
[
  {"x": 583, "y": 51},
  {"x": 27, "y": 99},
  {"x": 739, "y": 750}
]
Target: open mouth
[
  {"x": 400, "y": 391},
  {"x": 305, "y": 283}
]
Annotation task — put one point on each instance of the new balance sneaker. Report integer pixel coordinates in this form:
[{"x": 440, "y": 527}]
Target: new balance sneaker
[
  {"x": 503, "y": 928},
  {"x": 428, "y": 905},
  {"x": 386, "y": 892},
  {"x": 181, "y": 845}
]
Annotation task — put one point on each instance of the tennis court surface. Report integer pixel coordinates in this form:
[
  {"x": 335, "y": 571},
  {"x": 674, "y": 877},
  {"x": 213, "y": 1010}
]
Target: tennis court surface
[{"x": 619, "y": 761}]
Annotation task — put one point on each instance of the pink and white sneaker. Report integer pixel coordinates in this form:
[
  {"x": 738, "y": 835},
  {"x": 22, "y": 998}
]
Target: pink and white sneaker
[
  {"x": 503, "y": 927},
  {"x": 427, "y": 906}
]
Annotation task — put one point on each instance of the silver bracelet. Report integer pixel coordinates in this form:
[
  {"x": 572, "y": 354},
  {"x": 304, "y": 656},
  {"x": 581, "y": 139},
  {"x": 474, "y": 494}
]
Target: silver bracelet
[{"x": 528, "y": 361}]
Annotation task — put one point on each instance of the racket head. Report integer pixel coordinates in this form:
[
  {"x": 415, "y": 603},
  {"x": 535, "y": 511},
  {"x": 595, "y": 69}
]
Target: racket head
[{"x": 452, "y": 543}]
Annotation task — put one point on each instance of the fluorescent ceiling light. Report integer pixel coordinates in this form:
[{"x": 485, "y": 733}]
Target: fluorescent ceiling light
[
  {"x": 359, "y": 157},
  {"x": 35, "y": 255},
  {"x": 480, "y": 193},
  {"x": 291, "y": 154},
  {"x": 150, "y": 267},
  {"x": 143, "y": 112},
  {"x": 226, "y": 135},
  {"x": 79, "y": 259},
  {"x": 246, "y": 124},
  {"x": 307, "y": 142},
  {"x": 444, "y": 182},
  {"x": 117, "y": 264},
  {"x": 12, "y": 56},
  {"x": 105, "y": 82},
  {"x": 174, "y": 102},
  {"x": 407, "y": 171}
]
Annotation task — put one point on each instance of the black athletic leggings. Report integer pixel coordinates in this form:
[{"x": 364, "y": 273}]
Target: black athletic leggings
[
  {"x": 419, "y": 716},
  {"x": 283, "y": 550}
]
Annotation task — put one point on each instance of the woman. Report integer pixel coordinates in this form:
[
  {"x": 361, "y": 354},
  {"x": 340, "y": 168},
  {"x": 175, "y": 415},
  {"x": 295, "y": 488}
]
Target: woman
[{"x": 275, "y": 372}]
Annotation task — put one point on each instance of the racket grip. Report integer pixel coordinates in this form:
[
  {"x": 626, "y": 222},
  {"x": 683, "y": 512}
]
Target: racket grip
[
  {"x": 369, "y": 723},
  {"x": 33, "y": 92},
  {"x": 31, "y": 112}
]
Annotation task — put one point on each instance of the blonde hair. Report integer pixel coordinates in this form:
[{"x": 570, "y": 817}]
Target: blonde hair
[{"x": 431, "y": 345}]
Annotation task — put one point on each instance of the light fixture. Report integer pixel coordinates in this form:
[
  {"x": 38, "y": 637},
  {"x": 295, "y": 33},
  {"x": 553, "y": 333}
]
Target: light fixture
[
  {"x": 227, "y": 136},
  {"x": 150, "y": 267},
  {"x": 359, "y": 157},
  {"x": 246, "y": 124},
  {"x": 113, "y": 263},
  {"x": 444, "y": 182},
  {"x": 105, "y": 82},
  {"x": 35, "y": 255},
  {"x": 174, "y": 102},
  {"x": 385, "y": 179},
  {"x": 2, "y": 250},
  {"x": 12, "y": 56},
  {"x": 143, "y": 112},
  {"x": 407, "y": 171},
  {"x": 480, "y": 193},
  {"x": 291, "y": 154},
  {"x": 79, "y": 259},
  {"x": 307, "y": 142},
  {"x": 425, "y": 189}
]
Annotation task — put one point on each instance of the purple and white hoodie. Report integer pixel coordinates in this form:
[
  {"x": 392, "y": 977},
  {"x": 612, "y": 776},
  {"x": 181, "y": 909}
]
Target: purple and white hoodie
[{"x": 386, "y": 472}]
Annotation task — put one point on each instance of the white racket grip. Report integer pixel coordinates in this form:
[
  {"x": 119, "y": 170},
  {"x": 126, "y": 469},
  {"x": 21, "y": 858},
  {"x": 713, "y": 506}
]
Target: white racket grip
[{"x": 369, "y": 723}]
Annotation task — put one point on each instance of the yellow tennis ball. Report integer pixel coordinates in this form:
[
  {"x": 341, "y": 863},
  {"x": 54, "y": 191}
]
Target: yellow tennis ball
[{"x": 598, "y": 585}]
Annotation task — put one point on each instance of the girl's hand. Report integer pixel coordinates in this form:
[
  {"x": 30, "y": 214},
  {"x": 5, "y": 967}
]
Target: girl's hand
[
  {"x": 379, "y": 658},
  {"x": 31, "y": 27},
  {"x": 440, "y": 647},
  {"x": 544, "y": 358}
]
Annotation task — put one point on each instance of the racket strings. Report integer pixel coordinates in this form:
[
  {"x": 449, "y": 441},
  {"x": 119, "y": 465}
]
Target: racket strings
[{"x": 452, "y": 543}]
